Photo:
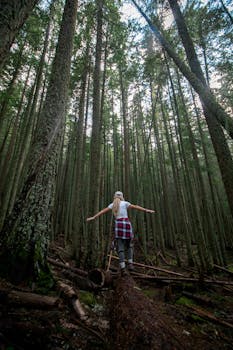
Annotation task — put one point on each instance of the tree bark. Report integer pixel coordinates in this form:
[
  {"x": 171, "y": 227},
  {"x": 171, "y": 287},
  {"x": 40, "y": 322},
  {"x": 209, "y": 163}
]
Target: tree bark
[
  {"x": 27, "y": 232},
  {"x": 126, "y": 152},
  {"x": 95, "y": 148}
]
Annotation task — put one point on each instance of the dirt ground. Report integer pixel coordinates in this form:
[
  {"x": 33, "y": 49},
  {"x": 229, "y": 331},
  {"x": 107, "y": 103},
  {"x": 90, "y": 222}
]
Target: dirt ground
[{"x": 132, "y": 313}]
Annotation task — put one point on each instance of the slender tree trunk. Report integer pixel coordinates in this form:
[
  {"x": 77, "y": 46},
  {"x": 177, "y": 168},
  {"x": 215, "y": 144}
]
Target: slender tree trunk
[
  {"x": 126, "y": 135},
  {"x": 10, "y": 156},
  {"x": 13, "y": 14},
  {"x": 94, "y": 184},
  {"x": 10, "y": 88},
  {"x": 77, "y": 218}
]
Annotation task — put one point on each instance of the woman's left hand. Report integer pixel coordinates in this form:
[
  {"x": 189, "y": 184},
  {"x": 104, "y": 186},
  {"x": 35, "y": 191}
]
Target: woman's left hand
[{"x": 91, "y": 218}]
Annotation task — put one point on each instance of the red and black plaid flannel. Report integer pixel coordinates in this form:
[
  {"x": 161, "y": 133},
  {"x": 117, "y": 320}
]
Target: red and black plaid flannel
[{"x": 123, "y": 228}]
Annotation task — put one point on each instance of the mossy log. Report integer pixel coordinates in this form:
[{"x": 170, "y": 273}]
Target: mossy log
[
  {"x": 137, "y": 323},
  {"x": 28, "y": 299}
]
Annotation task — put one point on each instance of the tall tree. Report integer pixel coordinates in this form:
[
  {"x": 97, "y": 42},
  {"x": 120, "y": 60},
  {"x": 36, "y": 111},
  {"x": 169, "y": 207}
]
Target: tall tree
[
  {"x": 124, "y": 102},
  {"x": 95, "y": 147},
  {"x": 27, "y": 232}
]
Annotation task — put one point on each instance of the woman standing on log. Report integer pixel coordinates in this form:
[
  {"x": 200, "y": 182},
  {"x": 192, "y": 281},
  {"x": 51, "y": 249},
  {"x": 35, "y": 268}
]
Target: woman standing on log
[{"x": 123, "y": 227}]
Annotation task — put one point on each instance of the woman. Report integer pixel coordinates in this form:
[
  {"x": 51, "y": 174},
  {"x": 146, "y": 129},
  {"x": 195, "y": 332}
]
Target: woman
[{"x": 123, "y": 227}]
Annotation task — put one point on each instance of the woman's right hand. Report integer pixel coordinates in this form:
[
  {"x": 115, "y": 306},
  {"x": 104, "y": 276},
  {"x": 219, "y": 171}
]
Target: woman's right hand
[
  {"x": 150, "y": 211},
  {"x": 91, "y": 218}
]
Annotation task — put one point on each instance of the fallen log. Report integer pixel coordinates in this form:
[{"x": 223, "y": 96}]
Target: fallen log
[
  {"x": 180, "y": 279},
  {"x": 79, "y": 281},
  {"x": 28, "y": 299},
  {"x": 84, "y": 321},
  {"x": 209, "y": 316},
  {"x": 72, "y": 296},
  {"x": 97, "y": 276},
  {"x": 223, "y": 269},
  {"x": 199, "y": 298},
  {"x": 153, "y": 268},
  {"x": 163, "y": 258},
  {"x": 138, "y": 324},
  {"x": 64, "y": 266}
]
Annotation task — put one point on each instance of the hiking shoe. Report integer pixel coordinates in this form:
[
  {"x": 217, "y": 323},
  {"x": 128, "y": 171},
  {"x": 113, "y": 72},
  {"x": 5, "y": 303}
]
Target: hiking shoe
[
  {"x": 123, "y": 272},
  {"x": 130, "y": 267}
]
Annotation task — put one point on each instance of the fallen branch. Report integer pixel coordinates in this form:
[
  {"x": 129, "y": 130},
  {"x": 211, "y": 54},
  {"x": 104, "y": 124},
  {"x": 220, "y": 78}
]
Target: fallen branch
[
  {"x": 64, "y": 266},
  {"x": 178, "y": 279},
  {"x": 199, "y": 298},
  {"x": 163, "y": 258},
  {"x": 153, "y": 268},
  {"x": 81, "y": 282},
  {"x": 223, "y": 269},
  {"x": 71, "y": 295},
  {"x": 208, "y": 315}
]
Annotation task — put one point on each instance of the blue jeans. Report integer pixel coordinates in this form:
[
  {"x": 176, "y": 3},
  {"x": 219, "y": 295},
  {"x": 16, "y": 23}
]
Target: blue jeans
[{"x": 122, "y": 245}]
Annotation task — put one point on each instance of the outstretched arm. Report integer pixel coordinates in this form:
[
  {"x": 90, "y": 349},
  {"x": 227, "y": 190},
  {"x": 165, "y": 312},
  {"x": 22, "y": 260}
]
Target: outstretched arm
[
  {"x": 101, "y": 212},
  {"x": 132, "y": 206}
]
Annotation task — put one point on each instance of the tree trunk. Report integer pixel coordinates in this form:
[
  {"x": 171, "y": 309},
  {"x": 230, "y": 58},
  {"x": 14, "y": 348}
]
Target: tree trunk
[
  {"x": 95, "y": 148},
  {"x": 26, "y": 234},
  {"x": 126, "y": 135}
]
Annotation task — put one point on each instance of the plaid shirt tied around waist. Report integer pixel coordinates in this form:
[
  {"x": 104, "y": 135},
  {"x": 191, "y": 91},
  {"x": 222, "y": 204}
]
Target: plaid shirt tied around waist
[{"x": 123, "y": 228}]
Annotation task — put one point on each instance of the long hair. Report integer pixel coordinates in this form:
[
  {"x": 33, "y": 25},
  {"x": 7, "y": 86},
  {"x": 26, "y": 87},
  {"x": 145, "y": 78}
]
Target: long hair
[{"x": 118, "y": 197}]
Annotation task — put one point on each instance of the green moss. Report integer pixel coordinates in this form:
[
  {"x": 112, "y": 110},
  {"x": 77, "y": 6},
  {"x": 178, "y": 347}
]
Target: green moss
[
  {"x": 150, "y": 293},
  {"x": 44, "y": 281},
  {"x": 184, "y": 301},
  {"x": 87, "y": 298},
  {"x": 197, "y": 318},
  {"x": 230, "y": 268}
]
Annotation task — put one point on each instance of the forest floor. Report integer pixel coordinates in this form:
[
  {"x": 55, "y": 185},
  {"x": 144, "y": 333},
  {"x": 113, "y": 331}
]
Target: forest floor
[{"x": 149, "y": 309}]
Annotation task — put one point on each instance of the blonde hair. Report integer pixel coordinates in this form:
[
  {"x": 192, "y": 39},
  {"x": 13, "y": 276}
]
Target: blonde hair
[{"x": 118, "y": 197}]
